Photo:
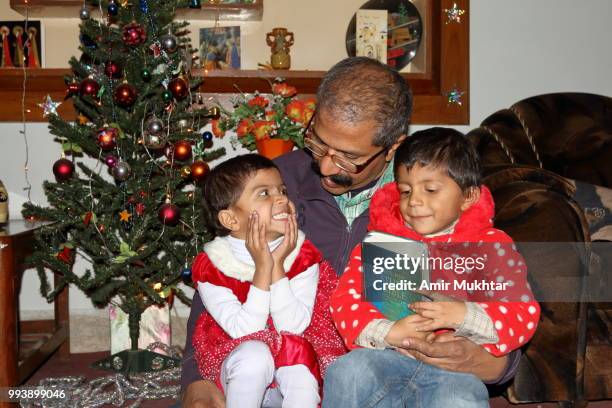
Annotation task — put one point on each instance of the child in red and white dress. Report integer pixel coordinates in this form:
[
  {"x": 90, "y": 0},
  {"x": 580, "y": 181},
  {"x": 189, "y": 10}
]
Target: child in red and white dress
[
  {"x": 438, "y": 199},
  {"x": 266, "y": 291}
]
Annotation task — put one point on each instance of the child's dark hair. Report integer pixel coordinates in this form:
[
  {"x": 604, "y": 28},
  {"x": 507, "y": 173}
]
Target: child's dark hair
[
  {"x": 224, "y": 185},
  {"x": 444, "y": 148}
]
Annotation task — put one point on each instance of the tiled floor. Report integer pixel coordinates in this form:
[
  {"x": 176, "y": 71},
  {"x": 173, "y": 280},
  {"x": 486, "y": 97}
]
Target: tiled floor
[{"x": 79, "y": 365}]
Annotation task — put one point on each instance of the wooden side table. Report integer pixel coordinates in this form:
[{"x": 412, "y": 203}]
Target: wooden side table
[{"x": 25, "y": 346}]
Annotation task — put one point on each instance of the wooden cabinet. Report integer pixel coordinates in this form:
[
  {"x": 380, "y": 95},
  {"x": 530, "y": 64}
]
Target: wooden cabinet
[
  {"x": 441, "y": 89},
  {"x": 25, "y": 345}
]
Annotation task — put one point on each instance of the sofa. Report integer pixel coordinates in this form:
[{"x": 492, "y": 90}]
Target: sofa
[{"x": 548, "y": 162}]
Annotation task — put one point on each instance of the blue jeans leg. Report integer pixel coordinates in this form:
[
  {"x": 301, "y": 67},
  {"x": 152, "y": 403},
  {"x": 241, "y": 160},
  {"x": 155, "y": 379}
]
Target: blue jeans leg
[{"x": 384, "y": 378}]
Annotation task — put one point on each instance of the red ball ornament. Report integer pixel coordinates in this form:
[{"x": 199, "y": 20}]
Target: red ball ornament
[
  {"x": 63, "y": 169},
  {"x": 112, "y": 70},
  {"x": 179, "y": 88},
  {"x": 169, "y": 214},
  {"x": 73, "y": 88},
  {"x": 182, "y": 150},
  {"x": 89, "y": 87},
  {"x": 134, "y": 34},
  {"x": 125, "y": 95},
  {"x": 199, "y": 170},
  {"x": 107, "y": 137}
]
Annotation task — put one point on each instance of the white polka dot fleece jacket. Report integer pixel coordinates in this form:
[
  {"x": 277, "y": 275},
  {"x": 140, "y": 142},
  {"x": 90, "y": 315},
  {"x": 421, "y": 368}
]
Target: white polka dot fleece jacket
[{"x": 516, "y": 314}]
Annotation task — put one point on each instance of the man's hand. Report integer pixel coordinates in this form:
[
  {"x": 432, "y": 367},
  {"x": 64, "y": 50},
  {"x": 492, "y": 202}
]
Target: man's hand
[
  {"x": 203, "y": 394},
  {"x": 449, "y": 353}
]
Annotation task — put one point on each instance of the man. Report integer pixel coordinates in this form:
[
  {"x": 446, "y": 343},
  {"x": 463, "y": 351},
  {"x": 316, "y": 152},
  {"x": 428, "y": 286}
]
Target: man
[{"x": 363, "y": 112}]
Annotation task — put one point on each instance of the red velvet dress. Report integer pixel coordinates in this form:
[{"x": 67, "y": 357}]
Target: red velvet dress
[{"x": 316, "y": 347}]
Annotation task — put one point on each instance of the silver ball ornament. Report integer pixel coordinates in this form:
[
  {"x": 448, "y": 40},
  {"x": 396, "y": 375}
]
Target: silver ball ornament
[
  {"x": 169, "y": 43},
  {"x": 122, "y": 171},
  {"x": 154, "y": 126},
  {"x": 154, "y": 141},
  {"x": 84, "y": 13}
]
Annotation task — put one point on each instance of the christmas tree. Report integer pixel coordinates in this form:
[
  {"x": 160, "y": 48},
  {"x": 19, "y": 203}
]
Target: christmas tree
[{"x": 131, "y": 206}]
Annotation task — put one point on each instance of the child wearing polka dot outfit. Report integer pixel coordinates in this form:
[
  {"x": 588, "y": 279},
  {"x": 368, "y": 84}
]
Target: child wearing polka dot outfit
[{"x": 438, "y": 198}]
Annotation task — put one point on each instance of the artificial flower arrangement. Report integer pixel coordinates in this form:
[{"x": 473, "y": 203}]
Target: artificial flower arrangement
[{"x": 281, "y": 115}]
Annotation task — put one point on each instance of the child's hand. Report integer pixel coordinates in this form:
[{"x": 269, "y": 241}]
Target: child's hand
[
  {"x": 289, "y": 240},
  {"x": 440, "y": 315},
  {"x": 406, "y": 327},
  {"x": 257, "y": 245}
]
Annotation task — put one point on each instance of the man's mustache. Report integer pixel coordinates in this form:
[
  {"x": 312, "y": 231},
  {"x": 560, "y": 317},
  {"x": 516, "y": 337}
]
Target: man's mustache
[{"x": 340, "y": 179}]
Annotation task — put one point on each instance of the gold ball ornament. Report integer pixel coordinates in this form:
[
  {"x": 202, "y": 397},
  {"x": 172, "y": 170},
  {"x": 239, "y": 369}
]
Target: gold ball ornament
[{"x": 185, "y": 172}]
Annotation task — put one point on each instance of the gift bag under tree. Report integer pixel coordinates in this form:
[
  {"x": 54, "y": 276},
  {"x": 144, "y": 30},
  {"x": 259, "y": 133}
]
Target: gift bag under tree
[{"x": 154, "y": 327}]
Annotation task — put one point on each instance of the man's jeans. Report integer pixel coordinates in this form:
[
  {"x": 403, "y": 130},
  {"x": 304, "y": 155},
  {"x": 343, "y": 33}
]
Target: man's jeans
[{"x": 367, "y": 378}]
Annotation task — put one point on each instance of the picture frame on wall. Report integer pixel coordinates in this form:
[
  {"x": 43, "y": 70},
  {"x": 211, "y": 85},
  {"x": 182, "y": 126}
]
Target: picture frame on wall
[
  {"x": 220, "y": 47},
  {"x": 21, "y": 44}
]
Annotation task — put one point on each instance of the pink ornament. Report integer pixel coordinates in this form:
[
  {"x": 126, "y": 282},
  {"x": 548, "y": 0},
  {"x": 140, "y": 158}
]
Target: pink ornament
[
  {"x": 111, "y": 160},
  {"x": 169, "y": 214}
]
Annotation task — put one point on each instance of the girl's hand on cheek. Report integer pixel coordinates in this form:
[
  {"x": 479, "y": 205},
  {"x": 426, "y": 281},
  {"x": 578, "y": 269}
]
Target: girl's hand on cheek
[
  {"x": 289, "y": 240},
  {"x": 257, "y": 245}
]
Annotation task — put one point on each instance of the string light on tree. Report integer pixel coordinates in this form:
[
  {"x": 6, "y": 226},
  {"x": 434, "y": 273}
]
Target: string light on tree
[{"x": 84, "y": 13}]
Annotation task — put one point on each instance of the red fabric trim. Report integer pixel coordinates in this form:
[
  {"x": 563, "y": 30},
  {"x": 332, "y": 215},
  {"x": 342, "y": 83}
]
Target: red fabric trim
[{"x": 316, "y": 348}]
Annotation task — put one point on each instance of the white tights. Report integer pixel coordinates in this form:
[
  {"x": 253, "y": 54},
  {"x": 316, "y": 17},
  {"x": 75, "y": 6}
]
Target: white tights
[{"x": 248, "y": 370}]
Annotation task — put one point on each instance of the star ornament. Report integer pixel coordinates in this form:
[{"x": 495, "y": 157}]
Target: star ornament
[
  {"x": 125, "y": 216},
  {"x": 454, "y": 96},
  {"x": 454, "y": 14},
  {"x": 49, "y": 107}
]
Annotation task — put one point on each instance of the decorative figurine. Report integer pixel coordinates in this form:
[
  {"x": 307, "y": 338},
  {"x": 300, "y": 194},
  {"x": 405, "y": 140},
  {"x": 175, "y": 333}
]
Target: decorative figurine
[{"x": 279, "y": 39}]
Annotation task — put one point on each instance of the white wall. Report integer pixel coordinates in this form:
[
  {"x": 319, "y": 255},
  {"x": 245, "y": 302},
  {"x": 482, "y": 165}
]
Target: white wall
[{"x": 518, "y": 49}]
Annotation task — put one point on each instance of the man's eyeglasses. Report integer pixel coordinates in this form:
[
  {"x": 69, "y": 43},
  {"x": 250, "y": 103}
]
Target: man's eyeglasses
[{"x": 321, "y": 150}]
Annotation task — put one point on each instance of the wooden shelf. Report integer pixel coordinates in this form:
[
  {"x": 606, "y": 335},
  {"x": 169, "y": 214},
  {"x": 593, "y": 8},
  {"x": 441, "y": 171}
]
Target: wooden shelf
[
  {"x": 448, "y": 57},
  {"x": 70, "y": 9},
  {"x": 39, "y": 84}
]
